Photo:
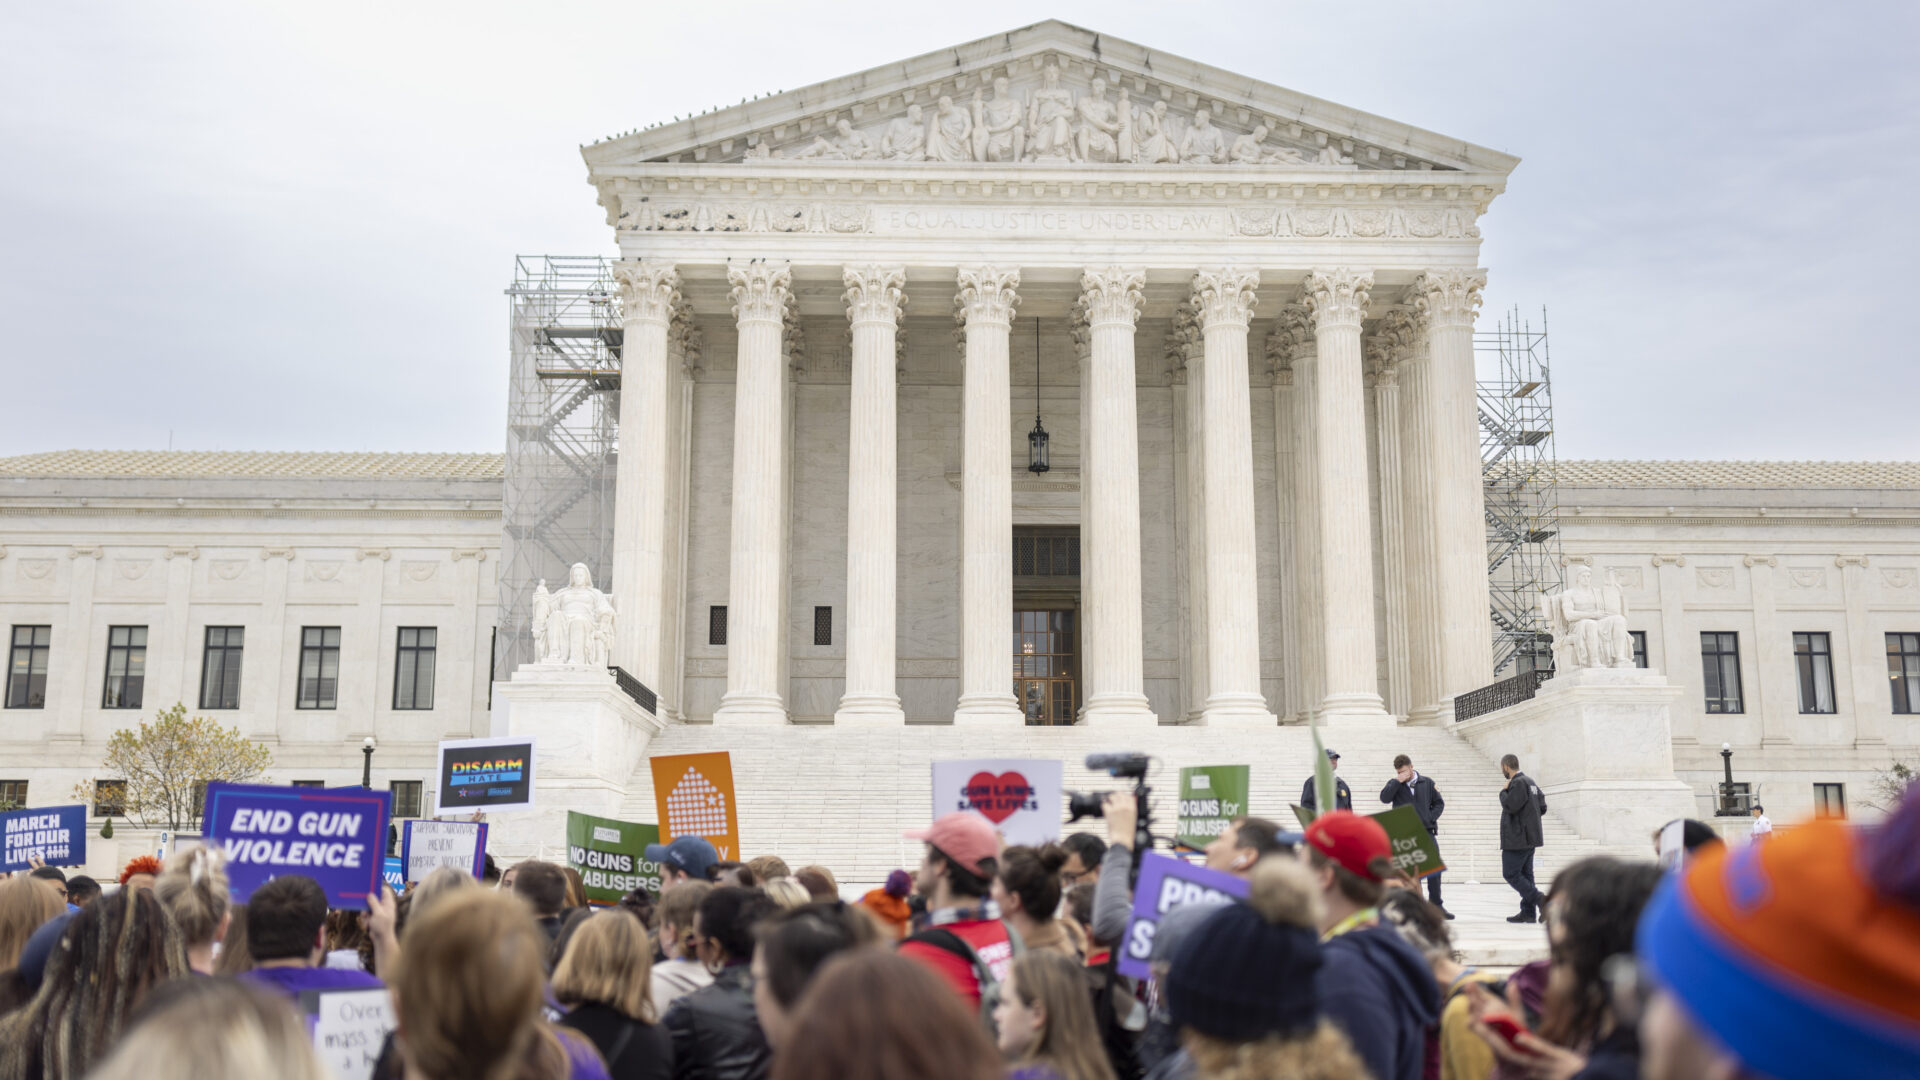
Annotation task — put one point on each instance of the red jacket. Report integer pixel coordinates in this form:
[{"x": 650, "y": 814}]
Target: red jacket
[{"x": 988, "y": 937}]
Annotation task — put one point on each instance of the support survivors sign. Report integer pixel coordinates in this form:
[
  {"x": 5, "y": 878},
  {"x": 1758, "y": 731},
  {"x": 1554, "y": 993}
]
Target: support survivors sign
[
  {"x": 427, "y": 846},
  {"x": 693, "y": 794},
  {"x": 610, "y": 856},
  {"x": 336, "y": 836},
  {"x": 1019, "y": 796},
  {"x": 490, "y": 774},
  {"x": 57, "y": 835},
  {"x": 1167, "y": 883},
  {"x": 1211, "y": 796}
]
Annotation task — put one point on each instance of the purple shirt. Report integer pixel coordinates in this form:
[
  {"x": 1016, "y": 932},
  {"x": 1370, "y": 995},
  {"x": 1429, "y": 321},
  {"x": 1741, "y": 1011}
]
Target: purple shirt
[{"x": 292, "y": 980}]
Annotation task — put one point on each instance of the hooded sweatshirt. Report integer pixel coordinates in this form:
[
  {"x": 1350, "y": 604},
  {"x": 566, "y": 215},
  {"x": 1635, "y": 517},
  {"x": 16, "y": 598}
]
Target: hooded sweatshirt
[{"x": 1381, "y": 993}]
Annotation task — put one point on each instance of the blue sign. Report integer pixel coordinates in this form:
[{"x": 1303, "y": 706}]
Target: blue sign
[
  {"x": 1167, "y": 883},
  {"x": 394, "y": 873},
  {"x": 56, "y": 834},
  {"x": 336, "y": 836}
]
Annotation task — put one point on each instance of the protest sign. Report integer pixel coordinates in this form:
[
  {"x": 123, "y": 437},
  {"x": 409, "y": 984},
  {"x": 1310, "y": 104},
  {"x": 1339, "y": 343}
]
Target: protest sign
[
  {"x": 57, "y": 835},
  {"x": 394, "y": 873},
  {"x": 693, "y": 795},
  {"x": 336, "y": 836},
  {"x": 426, "y": 846},
  {"x": 1167, "y": 883},
  {"x": 1415, "y": 852},
  {"x": 611, "y": 856},
  {"x": 1211, "y": 796},
  {"x": 349, "y": 1028},
  {"x": 1019, "y": 796},
  {"x": 495, "y": 774}
]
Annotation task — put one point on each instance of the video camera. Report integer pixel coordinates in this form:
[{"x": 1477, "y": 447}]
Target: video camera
[{"x": 1121, "y": 766}]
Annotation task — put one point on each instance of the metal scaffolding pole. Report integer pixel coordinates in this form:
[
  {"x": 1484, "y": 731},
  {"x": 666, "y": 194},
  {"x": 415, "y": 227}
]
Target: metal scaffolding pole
[{"x": 1519, "y": 478}]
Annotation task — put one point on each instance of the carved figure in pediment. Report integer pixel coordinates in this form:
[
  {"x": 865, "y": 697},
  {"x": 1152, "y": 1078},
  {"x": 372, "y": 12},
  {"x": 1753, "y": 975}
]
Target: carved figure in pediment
[
  {"x": 998, "y": 132},
  {"x": 1203, "y": 144},
  {"x": 1330, "y": 156},
  {"x": 1153, "y": 136},
  {"x": 950, "y": 134},
  {"x": 1246, "y": 148},
  {"x": 1050, "y": 119},
  {"x": 850, "y": 144},
  {"x": 1097, "y": 136},
  {"x": 906, "y": 137}
]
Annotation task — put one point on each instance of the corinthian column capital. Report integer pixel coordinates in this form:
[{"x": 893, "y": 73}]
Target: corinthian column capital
[
  {"x": 1337, "y": 297},
  {"x": 875, "y": 294},
  {"x": 649, "y": 289},
  {"x": 1446, "y": 297},
  {"x": 762, "y": 289},
  {"x": 1112, "y": 295},
  {"x": 987, "y": 294},
  {"x": 1223, "y": 296}
]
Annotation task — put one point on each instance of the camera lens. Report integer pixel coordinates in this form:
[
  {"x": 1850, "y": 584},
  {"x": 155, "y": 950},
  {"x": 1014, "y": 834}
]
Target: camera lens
[{"x": 1086, "y": 804}]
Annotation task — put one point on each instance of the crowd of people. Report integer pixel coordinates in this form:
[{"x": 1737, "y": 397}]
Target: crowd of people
[{"x": 1794, "y": 956}]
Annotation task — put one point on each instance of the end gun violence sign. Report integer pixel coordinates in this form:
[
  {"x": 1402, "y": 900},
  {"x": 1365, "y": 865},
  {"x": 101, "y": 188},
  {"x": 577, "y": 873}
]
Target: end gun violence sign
[
  {"x": 336, "y": 836},
  {"x": 57, "y": 835}
]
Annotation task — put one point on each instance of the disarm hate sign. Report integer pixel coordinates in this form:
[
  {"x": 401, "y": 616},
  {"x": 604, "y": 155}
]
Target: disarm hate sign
[
  {"x": 336, "y": 836},
  {"x": 486, "y": 774},
  {"x": 57, "y": 835}
]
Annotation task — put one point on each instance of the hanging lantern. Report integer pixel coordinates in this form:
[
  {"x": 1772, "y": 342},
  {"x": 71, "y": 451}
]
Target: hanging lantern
[{"x": 1039, "y": 458}]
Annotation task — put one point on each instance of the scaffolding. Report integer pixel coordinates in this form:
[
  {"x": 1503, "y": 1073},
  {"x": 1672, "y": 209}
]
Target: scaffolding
[
  {"x": 1515, "y": 389},
  {"x": 563, "y": 404}
]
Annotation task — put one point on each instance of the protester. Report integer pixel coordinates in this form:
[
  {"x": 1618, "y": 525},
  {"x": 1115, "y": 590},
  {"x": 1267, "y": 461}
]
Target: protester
[
  {"x": 716, "y": 1032},
  {"x": 1694, "y": 835},
  {"x": 113, "y": 953},
  {"x": 439, "y": 883},
  {"x": 570, "y": 923},
  {"x": 734, "y": 872},
  {"x": 1463, "y": 1055},
  {"x": 790, "y": 948},
  {"x": 57, "y": 880},
  {"x": 872, "y": 1015},
  {"x": 1762, "y": 824},
  {"x": 888, "y": 903},
  {"x": 468, "y": 993},
  {"x": 1158, "y": 1051},
  {"x": 286, "y": 923},
  {"x": 213, "y": 1029},
  {"x": 544, "y": 887},
  {"x": 1078, "y": 906},
  {"x": 1793, "y": 959},
  {"x": 1373, "y": 985},
  {"x": 508, "y": 875},
  {"x": 576, "y": 888},
  {"x": 193, "y": 889},
  {"x": 1027, "y": 890},
  {"x": 961, "y": 935},
  {"x": 1409, "y": 788},
  {"x": 680, "y": 972},
  {"x": 688, "y": 858},
  {"x": 349, "y": 947},
  {"x": 26, "y": 904},
  {"x": 140, "y": 872},
  {"x": 1045, "y": 1021},
  {"x": 1521, "y": 805},
  {"x": 1084, "y": 852},
  {"x": 786, "y": 893},
  {"x": 1247, "y": 987},
  {"x": 818, "y": 881},
  {"x": 768, "y": 868},
  {"x": 1342, "y": 794},
  {"x": 490, "y": 875},
  {"x": 82, "y": 890},
  {"x": 1243, "y": 843},
  {"x": 234, "y": 956},
  {"x": 640, "y": 903},
  {"x": 604, "y": 978}
]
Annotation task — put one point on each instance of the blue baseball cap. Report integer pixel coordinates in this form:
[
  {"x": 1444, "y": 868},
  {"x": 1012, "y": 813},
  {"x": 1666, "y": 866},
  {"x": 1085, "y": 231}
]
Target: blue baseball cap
[{"x": 692, "y": 854}]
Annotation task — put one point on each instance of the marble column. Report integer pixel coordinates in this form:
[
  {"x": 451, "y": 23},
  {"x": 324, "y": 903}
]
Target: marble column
[
  {"x": 644, "y": 483},
  {"x": 1296, "y": 325},
  {"x": 756, "y": 588},
  {"x": 1188, "y": 350},
  {"x": 1445, "y": 301},
  {"x": 984, "y": 308},
  {"x": 1224, "y": 299},
  {"x": 1866, "y": 658},
  {"x": 1337, "y": 299},
  {"x": 1110, "y": 501},
  {"x": 1089, "y": 626},
  {"x": 874, "y": 298},
  {"x": 1280, "y": 374},
  {"x": 1383, "y": 380},
  {"x": 1424, "y": 693}
]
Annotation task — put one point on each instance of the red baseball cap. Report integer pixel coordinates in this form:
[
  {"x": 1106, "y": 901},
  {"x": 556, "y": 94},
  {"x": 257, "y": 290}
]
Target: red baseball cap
[
  {"x": 963, "y": 836},
  {"x": 1350, "y": 840}
]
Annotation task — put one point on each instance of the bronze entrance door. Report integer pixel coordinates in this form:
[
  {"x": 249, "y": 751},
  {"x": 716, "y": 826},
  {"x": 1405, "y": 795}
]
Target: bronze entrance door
[{"x": 1045, "y": 665}]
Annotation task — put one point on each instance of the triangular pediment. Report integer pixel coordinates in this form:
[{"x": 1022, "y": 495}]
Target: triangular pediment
[{"x": 1029, "y": 98}]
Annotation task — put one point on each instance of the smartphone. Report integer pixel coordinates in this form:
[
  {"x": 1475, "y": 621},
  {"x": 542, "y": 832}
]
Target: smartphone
[{"x": 1506, "y": 1026}]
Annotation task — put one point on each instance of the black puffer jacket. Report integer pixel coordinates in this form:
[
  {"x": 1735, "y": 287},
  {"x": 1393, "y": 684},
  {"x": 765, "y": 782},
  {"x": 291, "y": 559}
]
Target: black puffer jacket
[
  {"x": 1520, "y": 806},
  {"x": 716, "y": 1035}
]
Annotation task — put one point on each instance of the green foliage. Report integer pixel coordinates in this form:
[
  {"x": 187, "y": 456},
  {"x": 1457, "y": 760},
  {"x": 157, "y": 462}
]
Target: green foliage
[
  {"x": 1890, "y": 785},
  {"x": 168, "y": 762},
  {"x": 106, "y": 829}
]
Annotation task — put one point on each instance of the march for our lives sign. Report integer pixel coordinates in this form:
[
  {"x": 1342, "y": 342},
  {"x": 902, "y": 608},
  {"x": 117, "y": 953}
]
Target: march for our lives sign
[
  {"x": 56, "y": 834},
  {"x": 336, "y": 836},
  {"x": 1167, "y": 883}
]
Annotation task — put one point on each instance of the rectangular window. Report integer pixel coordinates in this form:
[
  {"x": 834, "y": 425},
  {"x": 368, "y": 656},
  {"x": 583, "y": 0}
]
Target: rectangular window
[
  {"x": 220, "y": 667},
  {"x": 406, "y": 798},
  {"x": 1720, "y": 663},
  {"x": 413, "y": 668},
  {"x": 1813, "y": 656},
  {"x": 823, "y": 626},
  {"x": 1830, "y": 800},
  {"x": 309, "y": 783},
  {"x": 126, "y": 667},
  {"x": 717, "y": 625},
  {"x": 109, "y": 798},
  {"x": 319, "y": 667},
  {"x": 27, "y": 667},
  {"x": 1639, "y": 647},
  {"x": 1903, "y": 671},
  {"x": 13, "y": 794},
  {"x": 1046, "y": 552}
]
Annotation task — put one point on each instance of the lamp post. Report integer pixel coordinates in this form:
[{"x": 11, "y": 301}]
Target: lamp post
[
  {"x": 1726, "y": 789},
  {"x": 366, "y": 767}
]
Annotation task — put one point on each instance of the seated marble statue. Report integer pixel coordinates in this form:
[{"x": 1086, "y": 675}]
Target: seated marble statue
[
  {"x": 573, "y": 627},
  {"x": 1246, "y": 148},
  {"x": 1203, "y": 144},
  {"x": 1589, "y": 624},
  {"x": 906, "y": 137}
]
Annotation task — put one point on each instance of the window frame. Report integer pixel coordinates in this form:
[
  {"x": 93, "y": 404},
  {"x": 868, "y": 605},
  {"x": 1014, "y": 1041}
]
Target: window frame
[
  {"x": 14, "y": 792},
  {"x": 232, "y": 654},
  {"x": 37, "y": 651},
  {"x": 428, "y": 652},
  {"x": 717, "y": 624},
  {"x": 418, "y": 794},
  {"x": 103, "y": 808},
  {"x": 1726, "y": 651},
  {"x": 1813, "y": 661},
  {"x": 1825, "y": 795},
  {"x": 314, "y": 643},
  {"x": 1903, "y": 672},
  {"x": 1639, "y": 640},
  {"x": 822, "y": 624},
  {"x": 125, "y": 652}
]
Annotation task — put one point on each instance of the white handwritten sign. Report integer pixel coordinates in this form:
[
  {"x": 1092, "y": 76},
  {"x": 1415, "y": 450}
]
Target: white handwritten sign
[
  {"x": 429, "y": 845},
  {"x": 349, "y": 1027}
]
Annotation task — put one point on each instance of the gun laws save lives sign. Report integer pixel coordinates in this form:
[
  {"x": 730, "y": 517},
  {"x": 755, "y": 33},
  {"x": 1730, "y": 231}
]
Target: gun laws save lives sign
[{"x": 1020, "y": 797}]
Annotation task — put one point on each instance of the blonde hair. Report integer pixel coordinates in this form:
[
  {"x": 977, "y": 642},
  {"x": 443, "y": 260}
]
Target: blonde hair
[
  {"x": 469, "y": 989},
  {"x": 1322, "y": 1054},
  {"x": 678, "y": 904},
  {"x": 199, "y": 1028},
  {"x": 26, "y": 903},
  {"x": 441, "y": 882},
  {"x": 193, "y": 889},
  {"x": 787, "y": 893},
  {"x": 609, "y": 961},
  {"x": 1069, "y": 1039}
]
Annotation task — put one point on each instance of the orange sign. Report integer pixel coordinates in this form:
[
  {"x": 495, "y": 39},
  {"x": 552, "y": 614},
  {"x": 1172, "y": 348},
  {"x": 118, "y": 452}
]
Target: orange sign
[{"x": 693, "y": 794}]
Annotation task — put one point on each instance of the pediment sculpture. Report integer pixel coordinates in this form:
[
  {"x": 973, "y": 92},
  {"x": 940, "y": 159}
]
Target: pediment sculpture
[
  {"x": 1589, "y": 624},
  {"x": 573, "y": 627}
]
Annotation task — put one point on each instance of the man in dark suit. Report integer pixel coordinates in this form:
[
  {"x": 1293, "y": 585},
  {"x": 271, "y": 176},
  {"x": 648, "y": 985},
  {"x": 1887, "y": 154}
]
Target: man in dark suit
[
  {"x": 1521, "y": 804},
  {"x": 1342, "y": 795},
  {"x": 1409, "y": 788}
]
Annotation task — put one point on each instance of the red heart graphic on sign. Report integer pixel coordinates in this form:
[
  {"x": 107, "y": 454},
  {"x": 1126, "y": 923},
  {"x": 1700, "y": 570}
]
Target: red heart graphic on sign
[{"x": 997, "y": 796}]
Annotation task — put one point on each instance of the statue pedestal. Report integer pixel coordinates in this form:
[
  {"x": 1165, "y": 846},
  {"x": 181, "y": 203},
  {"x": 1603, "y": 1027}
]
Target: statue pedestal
[
  {"x": 1599, "y": 741},
  {"x": 589, "y": 738}
]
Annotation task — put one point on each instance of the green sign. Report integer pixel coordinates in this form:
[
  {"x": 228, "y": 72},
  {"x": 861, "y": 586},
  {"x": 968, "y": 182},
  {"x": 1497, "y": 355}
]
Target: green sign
[
  {"x": 1211, "y": 796},
  {"x": 1415, "y": 852},
  {"x": 610, "y": 856},
  {"x": 1304, "y": 815}
]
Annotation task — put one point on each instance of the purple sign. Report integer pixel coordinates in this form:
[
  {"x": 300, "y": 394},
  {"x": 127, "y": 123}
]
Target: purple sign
[
  {"x": 1167, "y": 883},
  {"x": 336, "y": 836}
]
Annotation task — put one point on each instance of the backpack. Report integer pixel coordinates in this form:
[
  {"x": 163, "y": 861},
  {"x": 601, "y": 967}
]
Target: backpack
[{"x": 992, "y": 990}]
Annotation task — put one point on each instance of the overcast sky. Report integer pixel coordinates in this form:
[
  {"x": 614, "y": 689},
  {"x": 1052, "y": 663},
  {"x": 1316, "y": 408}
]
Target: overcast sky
[{"x": 282, "y": 226}]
